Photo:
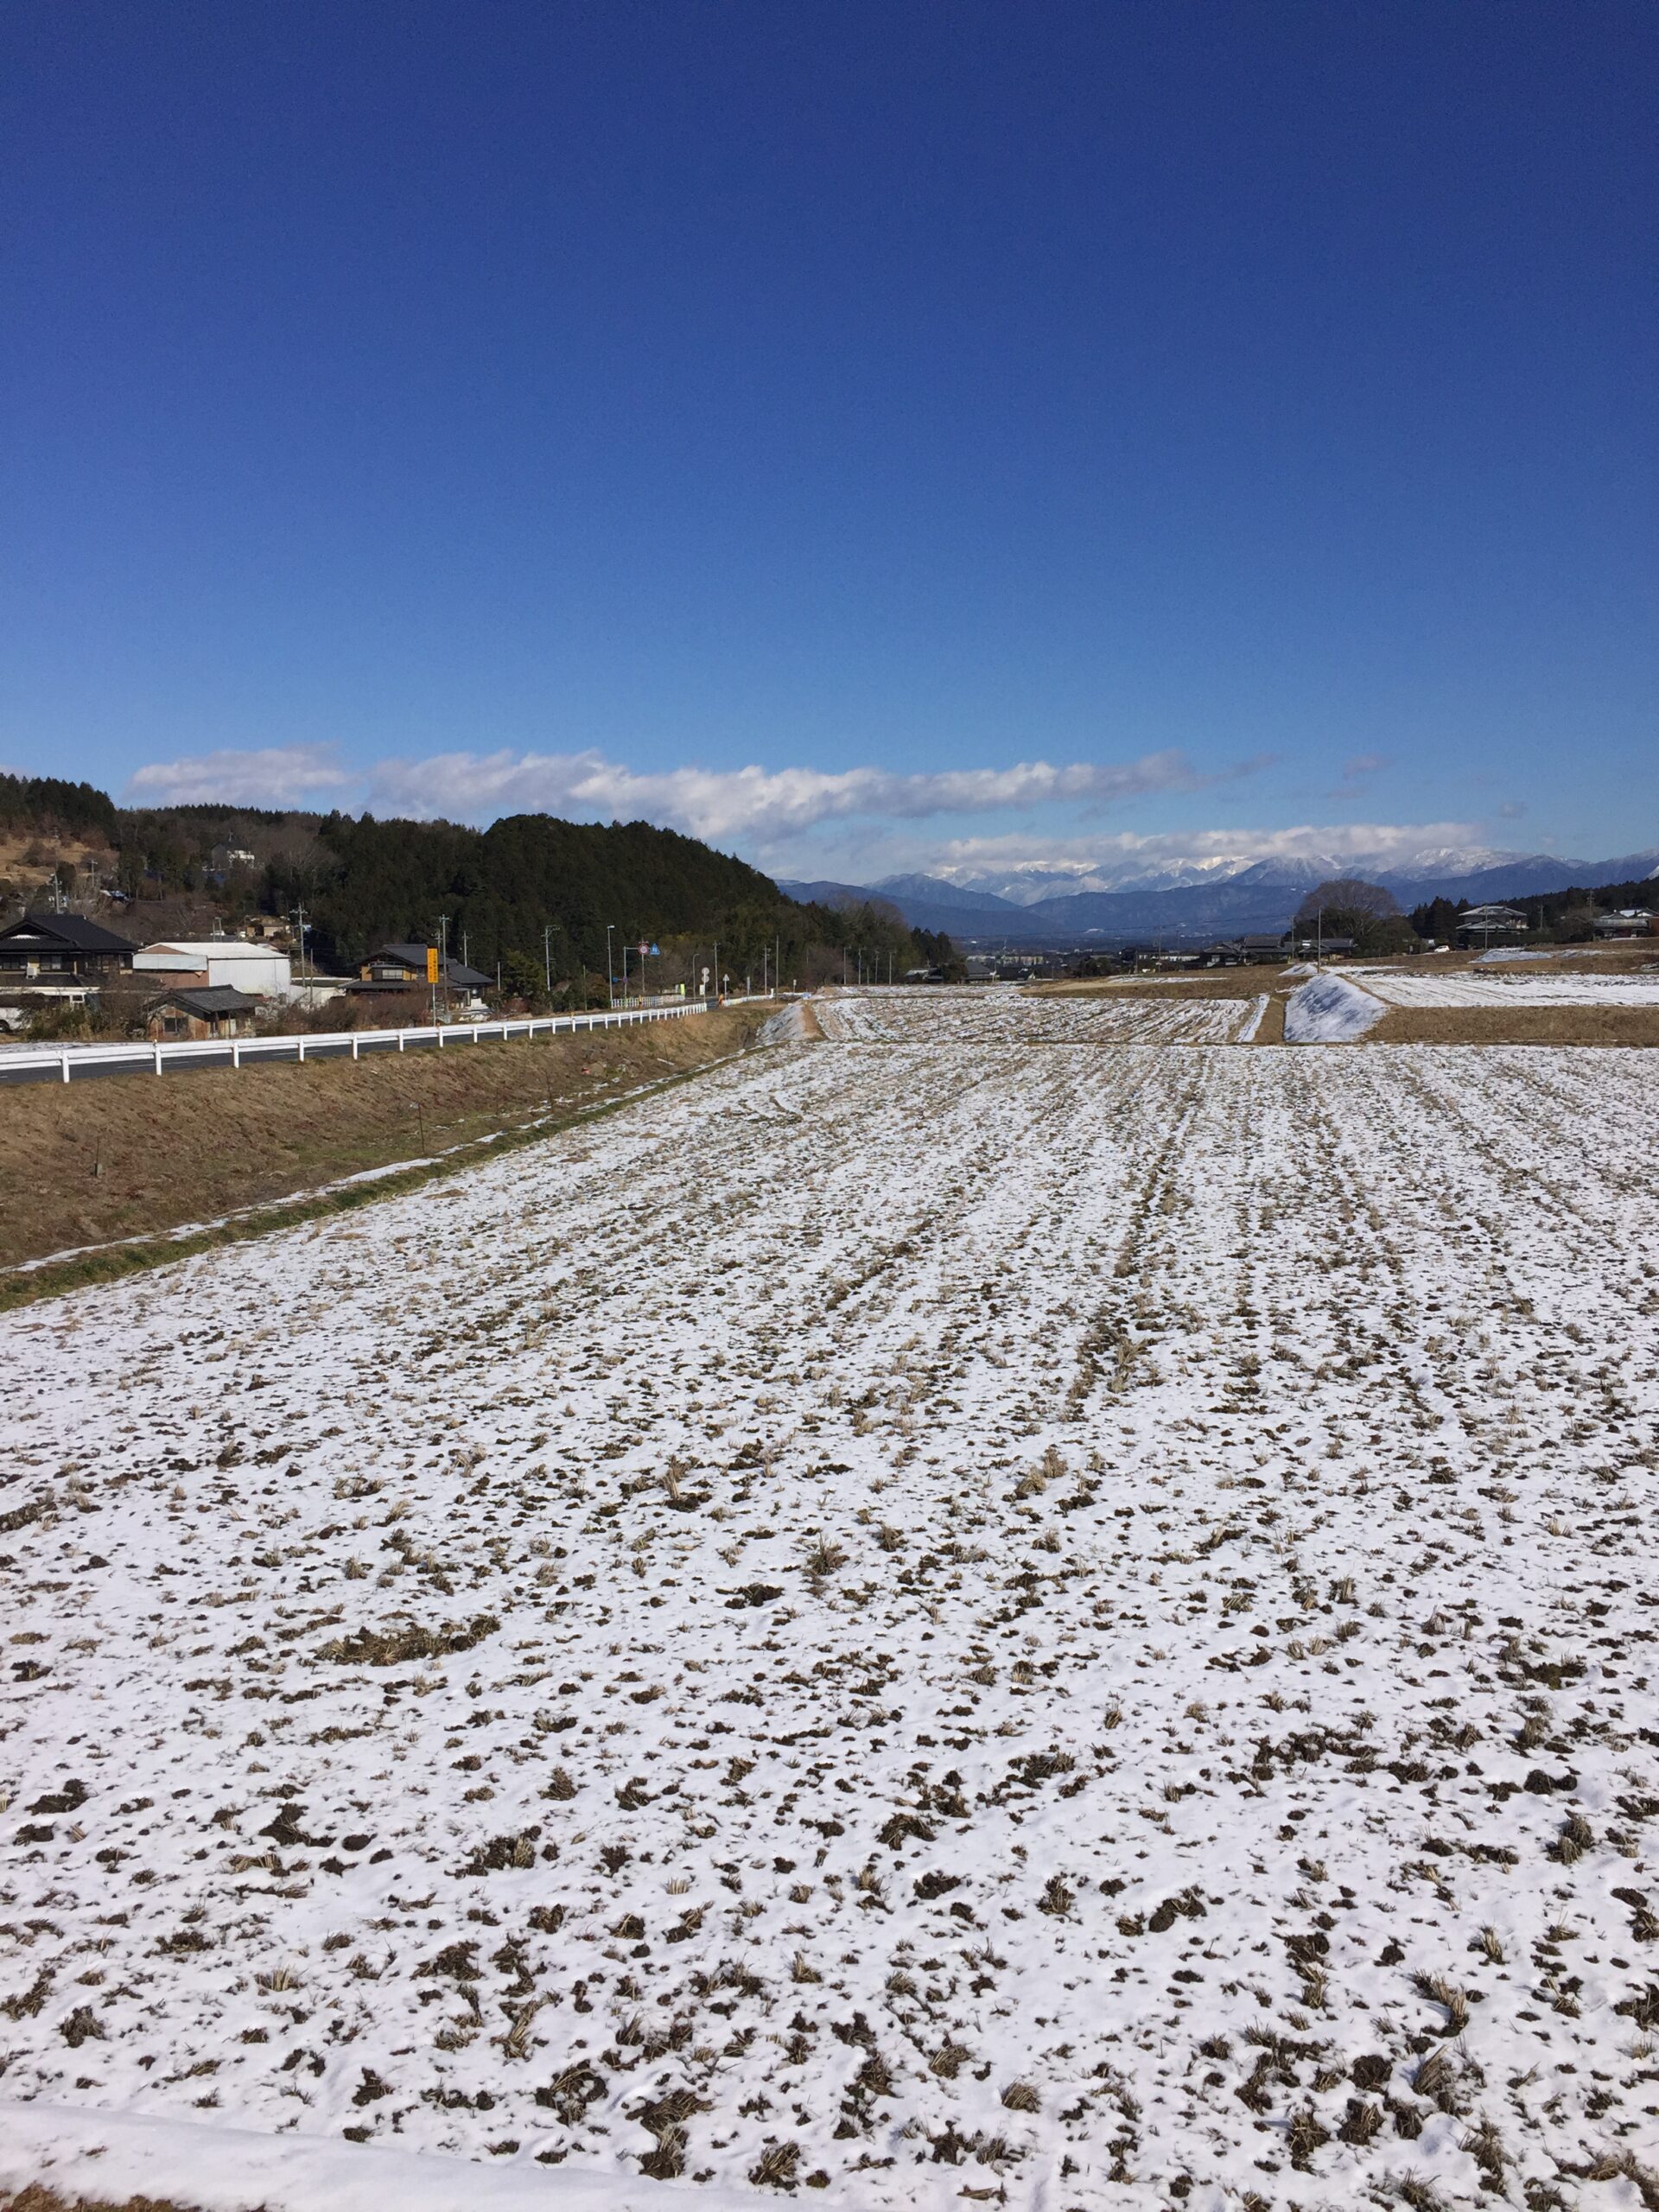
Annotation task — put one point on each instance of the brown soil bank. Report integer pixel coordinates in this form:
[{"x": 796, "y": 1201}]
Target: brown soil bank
[
  {"x": 34, "y": 2198},
  {"x": 1502, "y": 1024},
  {"x": 91, "y": 1162}
]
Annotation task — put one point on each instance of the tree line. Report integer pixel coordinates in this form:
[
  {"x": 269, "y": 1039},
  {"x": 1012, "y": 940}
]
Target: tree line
[
  {"x": 539, "y": 901},
  {"x": 1558, "y": 917}
]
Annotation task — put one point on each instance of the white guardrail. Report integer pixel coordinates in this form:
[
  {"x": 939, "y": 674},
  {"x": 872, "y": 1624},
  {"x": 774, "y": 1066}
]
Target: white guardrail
[{"x": 64, "y": 1061}]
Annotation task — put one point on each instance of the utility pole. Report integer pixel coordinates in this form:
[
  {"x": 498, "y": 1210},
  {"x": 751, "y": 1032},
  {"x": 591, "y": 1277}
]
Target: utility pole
[
  {"x": 547, "y": 955},
  {"x": 443, "y": 959},
  {"x": 610, "y": 964},
  {"x": 298, "y": 917}
]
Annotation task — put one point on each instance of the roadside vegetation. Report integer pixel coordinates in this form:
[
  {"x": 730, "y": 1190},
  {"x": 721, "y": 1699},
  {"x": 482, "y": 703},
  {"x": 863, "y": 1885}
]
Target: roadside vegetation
[{"x": 88, "y": 1163}]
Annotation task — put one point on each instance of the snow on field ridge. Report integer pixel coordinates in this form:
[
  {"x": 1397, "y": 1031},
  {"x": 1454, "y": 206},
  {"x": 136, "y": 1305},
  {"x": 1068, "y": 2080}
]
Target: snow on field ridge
[
  {"x": 1469, "y": 988},
  {"x": 1330, "y": 1010},
  {"x": 920, "y": 1617}
]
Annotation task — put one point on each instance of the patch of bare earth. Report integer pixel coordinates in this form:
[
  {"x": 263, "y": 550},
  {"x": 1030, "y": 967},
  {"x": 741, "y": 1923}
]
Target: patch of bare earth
[
  {"x": 1502, "y": 1024},
  {"x": 36, "y": 2199}
]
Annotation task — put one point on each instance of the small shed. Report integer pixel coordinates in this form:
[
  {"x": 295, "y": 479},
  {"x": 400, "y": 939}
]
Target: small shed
[{"x": 212, "y": 1010}]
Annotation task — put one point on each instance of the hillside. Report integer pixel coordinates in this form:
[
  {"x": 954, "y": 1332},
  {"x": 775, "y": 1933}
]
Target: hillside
[{"x": 531, "y": 894}]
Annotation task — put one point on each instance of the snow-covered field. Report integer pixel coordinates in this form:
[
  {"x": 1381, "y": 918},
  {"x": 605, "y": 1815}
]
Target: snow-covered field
[
  {"x": 1470, "y": 987},
  {"x": 983, "y": 1015},
  {"x": 925, "y": 1619}
]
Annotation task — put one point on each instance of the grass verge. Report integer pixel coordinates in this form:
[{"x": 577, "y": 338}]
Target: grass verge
[
  {"x": 1502, "y": 1024},
  {"x": 121, "y": 1159}
]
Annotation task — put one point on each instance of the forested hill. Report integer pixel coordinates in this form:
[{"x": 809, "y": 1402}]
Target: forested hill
[
  {"x": 530, "y": 892},
  {"x": 501, "y": 887}
]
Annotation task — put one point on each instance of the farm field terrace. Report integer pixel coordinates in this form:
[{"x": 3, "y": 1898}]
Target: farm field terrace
[
  {"x": 1495, "y": 986},
  {"x": 1000, "y": 1606}
]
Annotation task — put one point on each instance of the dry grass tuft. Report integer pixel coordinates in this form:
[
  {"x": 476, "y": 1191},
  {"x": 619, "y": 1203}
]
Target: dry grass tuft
[{"x": 396, "y": 1647}]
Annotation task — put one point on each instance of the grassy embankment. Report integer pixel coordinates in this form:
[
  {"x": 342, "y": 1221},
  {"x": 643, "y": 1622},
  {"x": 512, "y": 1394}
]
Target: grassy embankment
[
  {"x": 92, "y": 1163},
  {"x": 1502, "y": 1024}
]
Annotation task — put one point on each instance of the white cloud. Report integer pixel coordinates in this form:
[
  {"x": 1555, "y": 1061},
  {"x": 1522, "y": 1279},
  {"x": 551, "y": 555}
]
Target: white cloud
[
  {"x": 793, "y": 820},
  {"x": 273, "y": 775},
  {"x": 754, "y": 803},
  {"x": 1303, "y": 840}
]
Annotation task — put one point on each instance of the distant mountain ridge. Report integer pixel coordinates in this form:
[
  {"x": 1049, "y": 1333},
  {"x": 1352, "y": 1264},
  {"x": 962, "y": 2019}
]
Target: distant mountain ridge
[
  {"x": 936, "y": 904},
  {"x": 1211, "y": 898}
]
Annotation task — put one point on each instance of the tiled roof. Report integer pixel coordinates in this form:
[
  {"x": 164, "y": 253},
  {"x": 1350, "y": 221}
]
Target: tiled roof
[{"x": 74, "y": 931}]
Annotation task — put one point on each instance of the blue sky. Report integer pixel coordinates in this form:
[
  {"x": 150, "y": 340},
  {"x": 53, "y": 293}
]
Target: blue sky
[{"x": 871, "y": 436}]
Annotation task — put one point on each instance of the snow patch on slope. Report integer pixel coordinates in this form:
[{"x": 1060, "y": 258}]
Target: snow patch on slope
[{"x": 1329, "y": 1011}]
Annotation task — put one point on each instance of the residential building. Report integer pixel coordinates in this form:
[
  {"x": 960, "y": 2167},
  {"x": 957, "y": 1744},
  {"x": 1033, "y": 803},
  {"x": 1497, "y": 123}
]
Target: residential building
[
  {"x": 213, "y": 1011},
  {"x": 1629, "y": 921},
  {"x": 1480, "y": 924},
  {"x": 403, "y": 967},
  {"x": 55, "y": 948}
]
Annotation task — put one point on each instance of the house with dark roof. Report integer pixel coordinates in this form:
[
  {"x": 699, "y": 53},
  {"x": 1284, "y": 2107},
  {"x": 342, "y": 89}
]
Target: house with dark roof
[
  {"x": 60, "y": 946},
  {"x": 1480, "y": 924},
  {"x": 404, "y": 967},
  {"x": 210, "y": 1010}
]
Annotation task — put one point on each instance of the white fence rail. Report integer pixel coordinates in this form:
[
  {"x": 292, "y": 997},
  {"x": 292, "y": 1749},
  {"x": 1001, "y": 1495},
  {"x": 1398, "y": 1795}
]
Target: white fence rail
[{"x": 66, "y": 1063}]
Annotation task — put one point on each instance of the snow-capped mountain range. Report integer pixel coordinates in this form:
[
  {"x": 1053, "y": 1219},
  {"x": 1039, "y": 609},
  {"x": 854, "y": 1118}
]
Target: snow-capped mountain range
[{"x": 1044, "y": 903}]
